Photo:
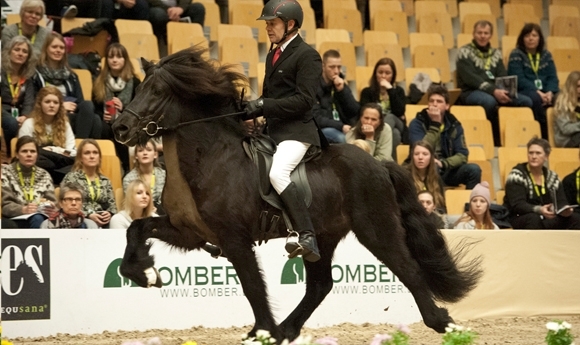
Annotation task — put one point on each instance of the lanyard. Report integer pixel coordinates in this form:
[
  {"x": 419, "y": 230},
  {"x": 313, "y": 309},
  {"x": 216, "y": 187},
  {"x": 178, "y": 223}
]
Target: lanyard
[
  {"x": 152, "y": 184},
  {"x": 15, "y": 90},
  {"x": 480, "y": 54},
  {"x": 578, "y": 186},
  {"x": 92, "y": 190},
  {"x": 535, "y": 63},
  {"x": 28, "y": 193},
  {"x": 535, "y": 185},
  {"x": 32, "y": 39}
]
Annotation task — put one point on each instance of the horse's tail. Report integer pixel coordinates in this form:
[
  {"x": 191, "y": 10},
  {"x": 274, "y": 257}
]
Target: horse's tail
[{"x": 449, "y": 280}]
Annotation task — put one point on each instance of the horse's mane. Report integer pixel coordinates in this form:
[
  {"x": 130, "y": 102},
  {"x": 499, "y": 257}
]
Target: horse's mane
[{"x": 191, "y": 76}]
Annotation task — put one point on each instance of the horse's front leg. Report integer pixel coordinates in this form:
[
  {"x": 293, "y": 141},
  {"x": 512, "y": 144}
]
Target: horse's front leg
[{"x": 137, "y": 264}]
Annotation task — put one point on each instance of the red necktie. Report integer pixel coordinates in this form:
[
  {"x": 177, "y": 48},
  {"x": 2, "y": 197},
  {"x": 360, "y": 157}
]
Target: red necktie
[{"x": 276, "y": 56}]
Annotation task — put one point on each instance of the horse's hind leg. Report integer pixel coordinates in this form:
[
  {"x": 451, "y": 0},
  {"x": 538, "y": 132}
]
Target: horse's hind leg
[{"x": 137, "y": 264}]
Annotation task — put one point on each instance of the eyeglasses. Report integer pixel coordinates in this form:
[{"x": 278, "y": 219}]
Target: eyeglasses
[{"x": 72, "y": 199}]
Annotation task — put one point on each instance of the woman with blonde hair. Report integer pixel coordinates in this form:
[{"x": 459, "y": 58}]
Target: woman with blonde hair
[
  {"x": 49, "y": 125},
  {"x": 138, "y": 204},
  {"x": 53, "y": 69},
  {"x": 424, "y": 172},
  {"x": 567, "y": 113},
  {"x": 31, "y": 12},
  {"x": 478, "y": 216},
  {"x": 17, "y": 88},
  {"x": 98, "y": 197}
]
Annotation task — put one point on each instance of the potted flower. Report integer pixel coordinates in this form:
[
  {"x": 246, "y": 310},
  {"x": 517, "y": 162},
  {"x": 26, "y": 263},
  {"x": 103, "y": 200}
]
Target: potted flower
[
  {"x": 458, "y": 335},
  {"x": 559, "y": 333}
]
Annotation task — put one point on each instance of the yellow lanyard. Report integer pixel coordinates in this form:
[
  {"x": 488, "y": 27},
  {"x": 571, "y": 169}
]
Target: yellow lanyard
[
  {"x": 578, "y": 186},
  {"x": 480, "y": 54},
  {"x": 15, "y": 90},
  {"x": 535, "y": 185},
  {"x": 535, "y": 63},
  {"x": 92, "y": 190},
  {"x": 32, "y": 39},
  {"x": 28, "y": 193}
]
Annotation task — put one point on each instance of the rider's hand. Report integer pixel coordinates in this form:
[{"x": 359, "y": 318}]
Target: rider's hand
[{"x": 254, "y": 107}]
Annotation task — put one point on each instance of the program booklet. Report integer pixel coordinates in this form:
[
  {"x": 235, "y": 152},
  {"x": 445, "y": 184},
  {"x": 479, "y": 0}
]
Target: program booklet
[
  {"x": 558, "y": 208},
  {"x": 509, "y": 83}
]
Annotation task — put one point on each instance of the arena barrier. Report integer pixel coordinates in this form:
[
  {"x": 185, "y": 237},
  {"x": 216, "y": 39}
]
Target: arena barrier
[{"x": 70, "y": 283}]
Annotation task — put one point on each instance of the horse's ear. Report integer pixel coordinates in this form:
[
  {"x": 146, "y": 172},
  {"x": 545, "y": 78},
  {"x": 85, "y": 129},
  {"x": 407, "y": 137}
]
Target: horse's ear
[{"x": 146, "y": 63}]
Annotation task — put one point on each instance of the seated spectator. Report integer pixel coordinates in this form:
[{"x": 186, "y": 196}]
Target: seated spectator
[
  {"x": 424, "y": 172},
  {"x": 125, "y": 9},
  {"x": 70, "y": 215},
  {"x": 529, "y": 193},
  {"x": 163, "y": 11},
  {"x": 26, "y": 188},
  {"x": 97, "y": 191},
  {"x": 147, "y": 169},
  {"x": 567, "y": 113},
  {"x": 31, "y": 12},
  {"x": 336, "y": 109},
  {"x": 17, "y": 89},
  {"x": 478, "y": 216},
  {"x": 426, "y": 199},
  {"x": 115, "y": 86},
  {"x": 48, "y": 125},
  {"x": 53, "y": 70},
  {"x": 444, "y": 133},
  {"x": 478, "y": 64},
  {"x": 112, "y": 9},
  {"x": 371, "y": 128},
  {"x": 383, "y": 90},
  {"x": 138, "y": 204},
  {"x": 536, "y": 72}
]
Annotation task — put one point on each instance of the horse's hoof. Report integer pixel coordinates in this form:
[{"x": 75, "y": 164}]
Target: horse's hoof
[{"x": 153, "y": 277}]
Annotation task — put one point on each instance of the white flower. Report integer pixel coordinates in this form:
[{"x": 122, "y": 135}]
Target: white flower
[
  {"x": 448, "y": 329},
  {"x": 452, "y": 325},
  {"x": 566, "y": 325},
  {"x": 553, "y": 326},
  {"x": 459, "y": 328},
  {"x": 261, "y": 333}
]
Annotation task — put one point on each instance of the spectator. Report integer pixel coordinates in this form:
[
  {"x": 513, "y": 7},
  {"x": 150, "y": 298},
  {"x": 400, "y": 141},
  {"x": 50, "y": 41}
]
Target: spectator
[
  {"x": 53, "y": 70},
  {"x": 138, "y": 204},
  {"x": 125, "y": 9},
  {"x": 383, "y": 90},
  {"x": 478, "y": 64},
  {"x": 426, "y": 199},
  {"x": 116, "y": 83},
  {"x": 31, "y": 12},
  {"x": 529, "y": 193},
  {"x": 536, "y": 72},
  {"x": 336, "y": 109},
  {"x": 70, "y": 214},
  {"x": 424, "y": 172},
  {"x": 478, "y": 216},
  {"x": 567, "y": 113},
  {"x": 98, "y": 198},
  {"x": 163, "y": 11},
  {"x": 571, "y": 186},
  {"x": 17, "y": 89},
  {"x": 26, "y": 188},
  {"x": 49, "y": 126},
  {"x": 371, "y": 128},
  {"x": 147, "y": 169},
  {"x": 441, "y": 129},
  {"x": 112, "y": 9}
]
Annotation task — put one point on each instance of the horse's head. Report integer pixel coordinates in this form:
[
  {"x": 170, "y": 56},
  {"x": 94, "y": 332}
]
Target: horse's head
[{"x": 181, "y": 87}]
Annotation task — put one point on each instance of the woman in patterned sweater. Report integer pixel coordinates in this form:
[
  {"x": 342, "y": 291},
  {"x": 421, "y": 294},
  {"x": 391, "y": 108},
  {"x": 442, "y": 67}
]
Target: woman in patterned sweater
[
  {"x": 98, "y": 198},
  {"x": 26, "y": 188}
]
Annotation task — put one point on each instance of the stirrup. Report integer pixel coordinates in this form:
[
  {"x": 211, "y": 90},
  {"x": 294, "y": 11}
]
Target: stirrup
[{"x": 293, "y": 246}]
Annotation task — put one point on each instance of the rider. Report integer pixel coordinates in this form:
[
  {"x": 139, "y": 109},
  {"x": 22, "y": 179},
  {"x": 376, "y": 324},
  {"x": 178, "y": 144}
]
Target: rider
[{"x": 293, "y": 70}]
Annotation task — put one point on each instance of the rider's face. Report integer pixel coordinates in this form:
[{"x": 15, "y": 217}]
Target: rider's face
[{"x": 275, "y": 29}]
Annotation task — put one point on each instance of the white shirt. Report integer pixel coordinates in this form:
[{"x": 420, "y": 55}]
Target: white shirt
[
  {"x": 122, "y": 220},
  {"x": 27, "y": 128}
]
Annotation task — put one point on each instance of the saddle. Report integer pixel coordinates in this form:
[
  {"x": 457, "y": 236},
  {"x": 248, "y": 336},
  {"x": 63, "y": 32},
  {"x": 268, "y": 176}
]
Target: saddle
[{"x": 261, "y": 148}]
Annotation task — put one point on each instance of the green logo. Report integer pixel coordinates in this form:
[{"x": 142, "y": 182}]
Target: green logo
[
  {"x": 113, "y": 277},
  {"x": 293, "y": 272}
]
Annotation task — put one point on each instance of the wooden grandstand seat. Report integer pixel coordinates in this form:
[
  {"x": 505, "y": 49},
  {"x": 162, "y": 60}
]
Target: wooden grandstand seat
[
  {"x": 347, "y": 55},
  {"x": 537, "y": 5},
  {"x": 363, "y": 75},
  {"x": 455, "y": 200},
  {"x": 245, "y": 13},
  {"x": 566, "y": 26},
  {"x": 86, "y": 81},
  {"x": 229, "y": 30},
  {"x": 551, "y": 122},
  {"x": 466, "y": 8},
  {"x": 562, "y": 42},
  {"x": 261, "y": 74},
  {"x": 518, "y": 133},
  {"x": 463, "y": 39},
  {"x": 379, "y": 37},
  {"x": 200, "y": 41},
  {"x": 478, "y": 133},
  {"x": 411, "y": 111},
  {"x": 140, "y": 45},
  {"x": 137, "y": 68},
  {"x": 563, "y": 154},
  {"x": 434, "y": 57},
  {"x": 566, "y": 60},
  {"x": 556, "y": 11},
  {"x": 512, "y": 10},
  {"x": 512, "y": 114},
  {"x": 476, "y": 153},
  {"x": 131, "y": 26},
  {"x": 119, "y": 199},
  {"x": 382, "y": 5},
  {"x": 331, "y": 35},
  {"x": 97, "y": 43},
  {"x": 329, "y": 6},
  {"x": 563, "y": 168},
  {"x": 243, "y": 51},
  {"x": 566, "y": 3},
  {"x": 111, "y": 167},
  {"x": 507, "y": 158},
  {"x": 508, "y": 43},
  {"x": 308, "y": 28},
  {"x": 184, "y": 35},
  {"x": 494, "y": 6},
  {"x": 514, "y": 26},
  {"x": 470, "y": 20},
  {"x": 392, "y": 21},
  {"x": 437, "y": 23},
  {"x": 427, "y": 7},
  {"x": 468, "y": 112},
  {"x": 499, "y": 196},
  {"x": 212, "y": 20},
  {"x": 450, "y": 7},
  {"x": 349, "y": 19},
  {"x": 420, "y": 39},
  {"x": 376, "y": 52},
  {"x": 486, "y": 172},
  {"x": 402, "y": 153}
]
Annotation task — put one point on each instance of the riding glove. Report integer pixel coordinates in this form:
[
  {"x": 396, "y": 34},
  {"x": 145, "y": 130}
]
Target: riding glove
[{"x": 254, "y": 107}]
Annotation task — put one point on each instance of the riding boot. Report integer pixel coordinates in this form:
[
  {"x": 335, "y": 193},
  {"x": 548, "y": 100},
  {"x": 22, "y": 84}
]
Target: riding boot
[{"x": 298, "y": 212}]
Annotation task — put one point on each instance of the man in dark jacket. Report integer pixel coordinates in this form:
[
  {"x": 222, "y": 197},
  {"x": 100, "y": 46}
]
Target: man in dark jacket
[
  {"x": 442, "y": 130},
  {"x": 336, "y": 109},
  {"x": 289, "y": 93},
  {"x": 162, "y": 11}
]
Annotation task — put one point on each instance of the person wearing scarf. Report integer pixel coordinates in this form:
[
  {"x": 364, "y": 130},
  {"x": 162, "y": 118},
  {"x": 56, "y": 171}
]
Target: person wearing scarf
[{"x": 70, "y": 214}]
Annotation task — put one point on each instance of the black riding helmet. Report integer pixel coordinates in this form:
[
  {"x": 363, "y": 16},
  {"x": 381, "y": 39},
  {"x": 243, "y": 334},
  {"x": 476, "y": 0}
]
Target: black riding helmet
[{"x": 285, "y": 10}]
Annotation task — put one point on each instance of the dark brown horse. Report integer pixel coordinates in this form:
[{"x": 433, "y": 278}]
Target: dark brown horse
[{"x": 211, "y": 195}]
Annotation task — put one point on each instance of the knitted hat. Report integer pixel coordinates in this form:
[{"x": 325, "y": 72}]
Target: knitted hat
[{"x": 482, "y": 190}]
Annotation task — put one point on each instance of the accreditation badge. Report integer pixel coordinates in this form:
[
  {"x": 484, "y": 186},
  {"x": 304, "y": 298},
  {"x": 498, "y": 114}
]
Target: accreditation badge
[
  {"x": 15, "y": 112},
  {"x": 538, "y": 84},
  {"x": 335, "y": 115},
  {"x": 489, "y": 74}
]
